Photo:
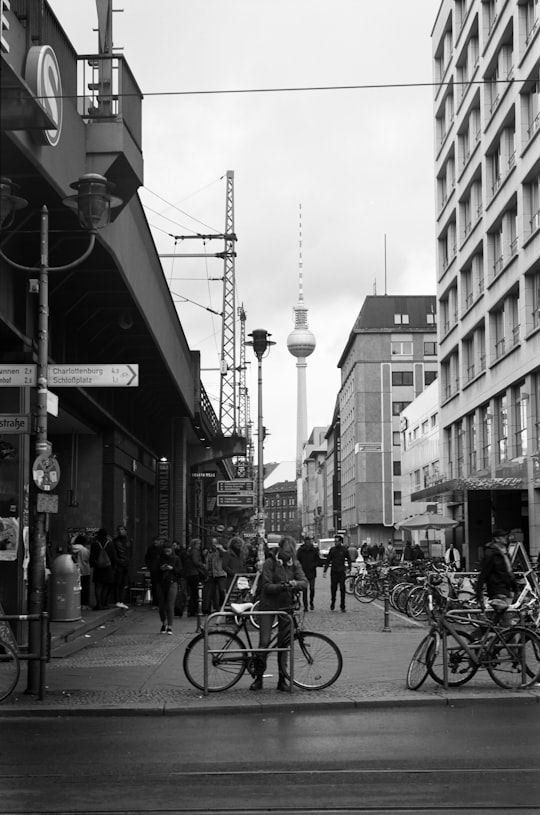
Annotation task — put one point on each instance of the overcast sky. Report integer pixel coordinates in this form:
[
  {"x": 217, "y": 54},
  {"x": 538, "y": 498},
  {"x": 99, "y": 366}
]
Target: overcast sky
[{"x": 359, "y": 161}]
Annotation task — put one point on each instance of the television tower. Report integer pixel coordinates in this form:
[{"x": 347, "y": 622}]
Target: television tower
[{"x": 301, "y": 343}]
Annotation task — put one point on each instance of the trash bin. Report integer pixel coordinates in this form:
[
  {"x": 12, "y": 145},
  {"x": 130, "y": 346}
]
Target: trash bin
[{"x": 65, "y": 590}]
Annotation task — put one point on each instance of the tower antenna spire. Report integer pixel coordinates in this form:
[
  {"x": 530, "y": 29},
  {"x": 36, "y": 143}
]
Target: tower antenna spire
[{"x": 301, "y": 343}]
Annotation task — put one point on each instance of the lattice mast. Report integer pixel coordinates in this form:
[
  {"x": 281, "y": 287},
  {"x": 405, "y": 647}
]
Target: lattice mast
[
  {"x": 227, "y": 395},
  {"x": 244, "y": 463}
]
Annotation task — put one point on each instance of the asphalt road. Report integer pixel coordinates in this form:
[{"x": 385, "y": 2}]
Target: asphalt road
[{"x": 464, "y": 759}]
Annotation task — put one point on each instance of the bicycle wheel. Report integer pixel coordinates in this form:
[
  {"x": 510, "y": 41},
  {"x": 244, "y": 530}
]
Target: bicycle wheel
[
  {"x": 417, "y": 603},
  {"x": 349, "y": 583},
  {"x": 365, "y": 589},
  {"x": 317, "y": 661},
  {"x": 461, "y": 667},
  {"x": 403, "y": 596},
  {"x": 225, "y": 667},
  {"x": 10, "y": 669},
  {"x": 395, "y": 593},
  {"x": 513, "y": 658},
  {"x": 418, "y": 669}
]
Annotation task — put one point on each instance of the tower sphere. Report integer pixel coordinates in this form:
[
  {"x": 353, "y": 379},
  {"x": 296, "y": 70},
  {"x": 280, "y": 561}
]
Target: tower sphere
[{"x": 301, "y": 342}]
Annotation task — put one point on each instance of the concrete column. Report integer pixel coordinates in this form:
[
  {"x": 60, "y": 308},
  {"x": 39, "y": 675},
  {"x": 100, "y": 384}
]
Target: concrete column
[{"x": 179, "y": 480}]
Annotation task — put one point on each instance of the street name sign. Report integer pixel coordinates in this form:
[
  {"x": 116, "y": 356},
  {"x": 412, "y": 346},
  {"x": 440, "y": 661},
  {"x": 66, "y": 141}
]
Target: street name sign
[
  {"x": 14, "y": 423},
  {"x": 237, "y": 485},
  {"x": 245, "y": 499},
  {"x": 93, "y": 376},
  {"x": 17, "y": 376},
  {"x": 123, "y": 375}
]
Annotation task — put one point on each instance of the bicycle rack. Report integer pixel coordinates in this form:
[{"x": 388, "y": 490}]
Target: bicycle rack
[
  {"x": 42, "y": 655},
  {"x": 275, "y": 649}
]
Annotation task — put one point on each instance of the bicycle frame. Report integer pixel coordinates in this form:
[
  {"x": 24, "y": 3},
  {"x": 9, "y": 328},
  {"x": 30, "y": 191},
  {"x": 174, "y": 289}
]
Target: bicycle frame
[{"x": 250, "y": 649}]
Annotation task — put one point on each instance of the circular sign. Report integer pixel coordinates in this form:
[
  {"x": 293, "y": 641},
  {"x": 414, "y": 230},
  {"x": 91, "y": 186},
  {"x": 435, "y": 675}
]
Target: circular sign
[
  {"x": 43, "y": 76},
  {"x": 46, "y": 473}
]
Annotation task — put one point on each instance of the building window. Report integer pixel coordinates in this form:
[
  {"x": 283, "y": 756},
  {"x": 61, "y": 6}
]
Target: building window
[
  {"x": 429, "y": 377},
  {"x": 430, "y": 349},
  {"x": 501, "y": 423},
  {"x": 396, "y": 438},
  {"x": 402, "y": 377},
  {"x": 434, "y": 419},
  {"x": 402, "y": 349},
  {"x": 397, "y": 407},
  {"x": 396, "y": 467},
  {"x": 401, "y": 319},
  {"x": 521, "y": 402},
  {"x": 471, "y": 441},
  {"x": 397, "y": 498}
]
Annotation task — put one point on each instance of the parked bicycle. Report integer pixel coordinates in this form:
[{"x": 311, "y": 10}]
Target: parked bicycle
[
  {"x": 317, "y": 659},
  {"x": 461, "y": 641}
]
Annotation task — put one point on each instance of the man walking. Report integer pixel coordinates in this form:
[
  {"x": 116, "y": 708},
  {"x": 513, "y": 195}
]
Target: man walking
[
  {"x": 339, "y": 562},
  {"x": 496, "y": 572},
  {"x": 309, "y": 558}
]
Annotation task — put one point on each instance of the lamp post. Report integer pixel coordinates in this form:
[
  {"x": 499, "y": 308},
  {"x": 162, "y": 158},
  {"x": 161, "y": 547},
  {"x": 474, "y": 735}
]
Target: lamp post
[
  {"x": 261, "y": 343},
  {"x": 93, "y": 202}
]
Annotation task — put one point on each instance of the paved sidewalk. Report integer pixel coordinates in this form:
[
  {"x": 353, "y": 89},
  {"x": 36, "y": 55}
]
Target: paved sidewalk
[{"x": 116, "y": 662}]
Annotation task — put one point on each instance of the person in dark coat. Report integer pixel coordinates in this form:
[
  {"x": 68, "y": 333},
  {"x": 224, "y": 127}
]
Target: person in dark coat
[
  {"x": 496, "y": 572},
  {"x": 122, "y": 547},
  {"x": 309, "y": 559},
  {"x": 339, "y": 563},
  {"x": 233, "y": 560},
  {"x": 195, "y": 573},
  {"x": 279, "y": 578},
  {"x": 103, "y": 562},
  {"x": 169, "y": 573}
]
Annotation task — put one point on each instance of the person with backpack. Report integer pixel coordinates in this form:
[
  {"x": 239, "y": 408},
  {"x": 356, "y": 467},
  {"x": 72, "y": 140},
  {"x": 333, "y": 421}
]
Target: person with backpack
[
  {"x": 103, "y": 562},
  {"x": 280, "y": 576}
]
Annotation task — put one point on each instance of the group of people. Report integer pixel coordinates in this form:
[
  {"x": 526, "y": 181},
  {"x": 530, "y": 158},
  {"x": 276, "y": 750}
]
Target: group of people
[{"x": 105, "y": 562}]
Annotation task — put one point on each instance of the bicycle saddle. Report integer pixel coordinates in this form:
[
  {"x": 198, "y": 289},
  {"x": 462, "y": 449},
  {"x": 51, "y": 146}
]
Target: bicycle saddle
[{"x": 241, "y": 608}]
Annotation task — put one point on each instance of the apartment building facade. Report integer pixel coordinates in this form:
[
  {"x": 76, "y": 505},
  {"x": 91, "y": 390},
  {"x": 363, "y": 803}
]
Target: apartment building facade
[
  {"x": 389, "y": 358},
  {"x": 486, "y": 58}
]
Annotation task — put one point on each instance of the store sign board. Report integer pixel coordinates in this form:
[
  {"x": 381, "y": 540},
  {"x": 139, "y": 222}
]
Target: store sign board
[
  {"x": 237, "y": 485},
  {"x": 245, "y": 499},
  {"x": 14, "y": 423}
]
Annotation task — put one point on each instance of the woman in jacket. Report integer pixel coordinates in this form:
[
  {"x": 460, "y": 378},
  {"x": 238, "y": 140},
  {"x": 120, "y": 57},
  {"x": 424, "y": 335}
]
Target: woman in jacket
[
  {"x": 280, "y": 575},
  {"x": 103, "y": 562}
]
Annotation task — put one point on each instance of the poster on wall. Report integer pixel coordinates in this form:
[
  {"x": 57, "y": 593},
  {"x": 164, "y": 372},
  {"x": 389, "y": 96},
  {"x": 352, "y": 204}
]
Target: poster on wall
[{"x": 9, "y": 538}]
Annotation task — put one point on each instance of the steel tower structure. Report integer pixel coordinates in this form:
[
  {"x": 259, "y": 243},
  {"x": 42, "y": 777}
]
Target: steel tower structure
[{"x": 227, "y": 392}]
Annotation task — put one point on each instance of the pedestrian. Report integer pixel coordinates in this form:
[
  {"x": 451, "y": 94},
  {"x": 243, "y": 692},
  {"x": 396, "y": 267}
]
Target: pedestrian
[
  {"x": 281, "y": 575},
  {"x": 380, "y": 551},
  {"x": 80, "y": 548},
  {"x": 353, "y": 552},
  {"x": 170, "y": 571},
  {"x": 151, "y": 561},
  {"x": 339, "y": 562},
  {"x": 452, "y": 558},
  {"x": 102, "y": 561},
  {"x": 214, "y": 588},
  {"x": 309, "y": 559},
  {"x": 390, "y": 553},
  {"x": 496, "y": 573},
  {"x": 180, "y": 550},
  {"x": 233, "y": 560},
  {"x": 364, "y": 551},
  {"x": 416, "y": 552},
  {"x": 408, "y": 552},
  {"x": 123, "y": 547},
  {"x": 195, "y": 574}
]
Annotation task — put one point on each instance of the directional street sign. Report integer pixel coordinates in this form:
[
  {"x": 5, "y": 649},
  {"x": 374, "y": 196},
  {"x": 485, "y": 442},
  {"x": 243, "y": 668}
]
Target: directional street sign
[
  {"x": 17, "y": 376},
  {"x": 123, "y": 375},
  {"x": 14, "y": 423},
  {"x": 94, "y": 376},
  {"x": 238, "y": 485},
  {"x": 245, "y": 499}
]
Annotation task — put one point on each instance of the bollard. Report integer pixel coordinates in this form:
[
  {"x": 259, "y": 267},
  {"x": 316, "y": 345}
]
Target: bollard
[
  {"x": 199, "y": 606},
  {"x": 386, "y": 594}
]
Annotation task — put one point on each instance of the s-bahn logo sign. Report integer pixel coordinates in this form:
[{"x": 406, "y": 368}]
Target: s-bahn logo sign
[{"x": 43, "y": 76}]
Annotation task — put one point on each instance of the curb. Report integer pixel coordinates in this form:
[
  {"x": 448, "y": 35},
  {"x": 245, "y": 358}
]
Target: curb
[{"x": 292, "y": 706}]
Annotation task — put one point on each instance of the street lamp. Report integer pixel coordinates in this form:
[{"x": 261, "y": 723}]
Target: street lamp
[
  {"x": 93, "y": 202},
  {"x": 261, "y": 343}
]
